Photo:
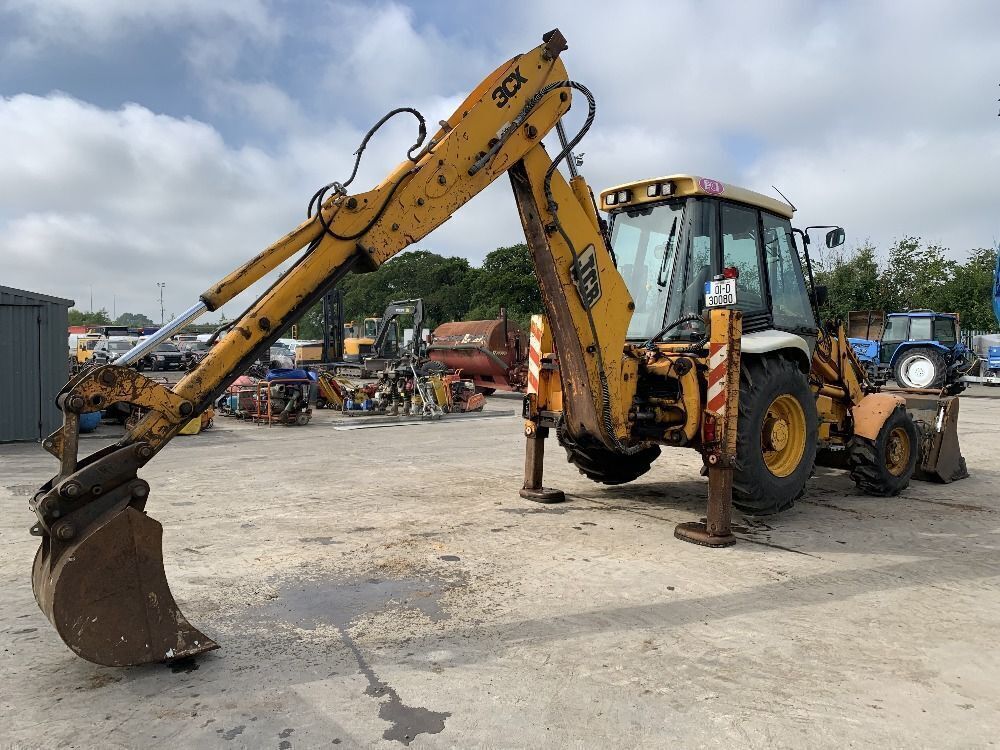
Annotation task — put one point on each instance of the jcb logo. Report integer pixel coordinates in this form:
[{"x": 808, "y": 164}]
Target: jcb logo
[
  {"x": 588, "y": 281},
  {"x": 510, "y": 86}
]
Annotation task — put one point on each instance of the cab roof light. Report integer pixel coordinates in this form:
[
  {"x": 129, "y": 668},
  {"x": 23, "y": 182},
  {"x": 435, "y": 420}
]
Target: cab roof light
[
  {"x": 624, "y": 196},
  {"x": 659, "y": 188},
  {"x": 611, "y": 199}
]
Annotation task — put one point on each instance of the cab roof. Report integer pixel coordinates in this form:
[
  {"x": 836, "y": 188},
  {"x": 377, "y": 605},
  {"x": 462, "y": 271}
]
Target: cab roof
[
  {"x": 684, "y": 185},
  {"x": 922, "y": 314}
]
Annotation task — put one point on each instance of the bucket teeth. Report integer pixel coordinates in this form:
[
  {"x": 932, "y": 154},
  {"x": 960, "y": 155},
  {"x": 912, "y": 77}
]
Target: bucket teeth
[{"x": 106, "y": 593}]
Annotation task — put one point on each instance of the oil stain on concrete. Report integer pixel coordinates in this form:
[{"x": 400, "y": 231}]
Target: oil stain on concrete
[{"x": 312, "y": 604}]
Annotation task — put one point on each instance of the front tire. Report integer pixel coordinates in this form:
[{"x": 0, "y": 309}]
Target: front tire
[
  {"x": 883, "y": 466},
  {"x": 776, "y": 435},
  {"x": 920, "y": 368}
]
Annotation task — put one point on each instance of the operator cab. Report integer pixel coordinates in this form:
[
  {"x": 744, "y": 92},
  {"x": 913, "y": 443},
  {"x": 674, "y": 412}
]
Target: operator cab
[{"x": 673, "y": 236}]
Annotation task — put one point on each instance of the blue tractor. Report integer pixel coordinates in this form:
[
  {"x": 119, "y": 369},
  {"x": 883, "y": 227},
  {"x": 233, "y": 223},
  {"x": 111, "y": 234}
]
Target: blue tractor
[{"x": 918, "y": 349}]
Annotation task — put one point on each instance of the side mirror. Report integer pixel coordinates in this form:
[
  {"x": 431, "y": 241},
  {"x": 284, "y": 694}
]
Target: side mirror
[
  {"x": 822, "y": 292},
  {"x": 835, "y": 237}
]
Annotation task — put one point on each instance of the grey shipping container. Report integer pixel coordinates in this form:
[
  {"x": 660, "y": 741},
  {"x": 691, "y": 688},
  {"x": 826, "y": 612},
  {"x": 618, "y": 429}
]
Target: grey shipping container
[{"x": 34, "y": 363}]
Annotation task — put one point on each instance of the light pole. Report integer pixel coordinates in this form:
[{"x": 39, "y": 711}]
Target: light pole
[{"x": 161, "y": 284}]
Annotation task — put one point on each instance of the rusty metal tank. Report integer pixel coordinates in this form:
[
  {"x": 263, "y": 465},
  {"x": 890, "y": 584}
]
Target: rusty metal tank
[{"x": 493, "y": 353}]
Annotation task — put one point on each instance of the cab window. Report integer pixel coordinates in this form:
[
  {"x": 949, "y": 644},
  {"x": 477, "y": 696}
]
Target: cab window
[
  {"x": 920, "y": 329},
  {"x": 789, "y": 299},
  {"x": 896, "y": 329},
  {"x": 944, "y": 331},
  {"x": 645, "y": 241},
  {"x": 741, "y": 249},
  {"x": 694, "y": 268}
]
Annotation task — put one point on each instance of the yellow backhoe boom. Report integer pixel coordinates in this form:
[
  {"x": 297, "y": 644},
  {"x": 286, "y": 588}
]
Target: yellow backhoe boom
[{"x": 98, "y": 574}]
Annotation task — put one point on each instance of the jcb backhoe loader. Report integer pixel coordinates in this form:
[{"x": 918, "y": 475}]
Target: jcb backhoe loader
[{"x": 701, "y": 337}]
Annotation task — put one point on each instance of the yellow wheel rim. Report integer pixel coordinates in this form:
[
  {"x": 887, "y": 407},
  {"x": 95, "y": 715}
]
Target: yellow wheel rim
[
  {"x": 897, "y": 451},
  {"x": 783, "y": 435}
]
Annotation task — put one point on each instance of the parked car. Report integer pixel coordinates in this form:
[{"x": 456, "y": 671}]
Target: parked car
[
  {"x": 108, "y": 350},
  {"x": 166, "y": 357},
  {"x": 279, "y": 357},
  {"x": 193, "y": 352}
]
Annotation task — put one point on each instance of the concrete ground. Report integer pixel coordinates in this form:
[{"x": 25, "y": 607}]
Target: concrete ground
[{"x": 388, "y": 586}]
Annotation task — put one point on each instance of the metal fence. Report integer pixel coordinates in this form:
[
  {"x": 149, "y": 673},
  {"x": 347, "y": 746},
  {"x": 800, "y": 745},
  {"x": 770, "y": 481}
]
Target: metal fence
[{"x": 968, "y": 336}]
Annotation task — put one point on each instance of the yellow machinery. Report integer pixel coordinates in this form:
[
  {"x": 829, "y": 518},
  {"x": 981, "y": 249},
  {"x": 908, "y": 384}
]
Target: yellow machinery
[
  {"x": 358, "y": 344},
  {"x": 688, "y": 326},
  {"x": 85, "y": 343}
]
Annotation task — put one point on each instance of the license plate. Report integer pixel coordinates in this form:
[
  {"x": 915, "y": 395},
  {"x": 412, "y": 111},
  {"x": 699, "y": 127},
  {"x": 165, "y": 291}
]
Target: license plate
[{"x": 720, "y": 293}]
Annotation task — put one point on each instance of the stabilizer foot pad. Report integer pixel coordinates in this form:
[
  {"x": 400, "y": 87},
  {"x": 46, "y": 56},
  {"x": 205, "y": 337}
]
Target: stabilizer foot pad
[
  {"x": 697, "y": 533},
  {"x": 545, "y": 495}
]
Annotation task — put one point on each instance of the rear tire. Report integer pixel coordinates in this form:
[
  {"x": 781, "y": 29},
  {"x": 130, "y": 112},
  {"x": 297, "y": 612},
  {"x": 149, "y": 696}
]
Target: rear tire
[
  {"x": 920, "y": 368},
  {"x": 882, "y": 467},
  {"x": 772, "y": 468},
  {"x": 604, "y": 466}
]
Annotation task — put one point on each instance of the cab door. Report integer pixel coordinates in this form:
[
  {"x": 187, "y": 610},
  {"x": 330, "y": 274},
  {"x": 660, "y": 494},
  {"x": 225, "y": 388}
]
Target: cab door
[{"x": 897, "y": 330}]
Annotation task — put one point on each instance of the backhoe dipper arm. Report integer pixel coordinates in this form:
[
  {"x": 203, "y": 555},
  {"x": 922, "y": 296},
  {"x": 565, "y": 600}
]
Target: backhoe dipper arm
[{"x": 98, "y": 574}]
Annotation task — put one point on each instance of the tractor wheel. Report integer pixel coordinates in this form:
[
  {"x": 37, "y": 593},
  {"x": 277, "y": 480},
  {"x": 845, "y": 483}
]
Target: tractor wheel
[
  {"x": 604, "y": 466},
  {"x": 920, "y": 368},
  {"x": 883, "y": 466},
  {"x": 776, "y": 435}
]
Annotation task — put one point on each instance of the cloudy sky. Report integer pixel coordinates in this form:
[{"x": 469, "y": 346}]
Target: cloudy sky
[{"x": 169, "y": 140}]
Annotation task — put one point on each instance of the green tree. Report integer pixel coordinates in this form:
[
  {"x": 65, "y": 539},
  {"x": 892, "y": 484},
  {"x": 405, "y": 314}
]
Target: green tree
[
  {"x": 133, "y": 320},
  {"x": 852, "y": 279},
  {"x": 444, "y": 284},
  {"x": 507, "y": 279},
  {"x": 80, "y": 318},
  {"x": 913, "y": 276},
  {"x": 969, "y": 292}
]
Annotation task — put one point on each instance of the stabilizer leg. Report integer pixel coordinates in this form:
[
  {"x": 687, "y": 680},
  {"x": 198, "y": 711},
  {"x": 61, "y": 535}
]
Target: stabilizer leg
[
  {"x": 534, "y": 456},
  {"x": 719, "y": 432}
]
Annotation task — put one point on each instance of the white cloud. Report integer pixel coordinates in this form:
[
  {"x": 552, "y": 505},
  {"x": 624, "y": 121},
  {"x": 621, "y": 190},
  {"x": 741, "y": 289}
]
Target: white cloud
[
  {"x": 88, "y": 21},
  {"x": 122, "y": 199},
  {"x": 878, "y": 116},
  {"x": 380, "y": 57}
]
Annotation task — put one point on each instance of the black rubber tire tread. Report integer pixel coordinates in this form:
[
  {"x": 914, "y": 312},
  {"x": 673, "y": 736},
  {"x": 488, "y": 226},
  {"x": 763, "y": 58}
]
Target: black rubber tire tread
[
  {"x": 940, "y": 367},
  {"x": 604, "y": 466},
  {"x": 868, "y": 468},
  {"x": 755, "y": 489},
  {"x": 485, "y": 391}
]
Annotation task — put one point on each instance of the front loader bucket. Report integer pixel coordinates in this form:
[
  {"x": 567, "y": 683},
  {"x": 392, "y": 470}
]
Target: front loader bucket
[
  {"x": 107, "y": 595},
  {"x": 936, "y": 418}
]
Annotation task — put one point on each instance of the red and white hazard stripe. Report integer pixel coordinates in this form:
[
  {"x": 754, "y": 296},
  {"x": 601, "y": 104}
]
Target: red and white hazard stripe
[
  {"x": 534, "y": 353},
  {"x": 717, "y": 356}
]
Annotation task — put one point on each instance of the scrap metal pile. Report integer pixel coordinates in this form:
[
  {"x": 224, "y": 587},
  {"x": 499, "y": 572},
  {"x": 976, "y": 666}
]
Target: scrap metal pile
[
  {"x": 279, "y": 397},
  {"x": 404, "y": 388}
]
